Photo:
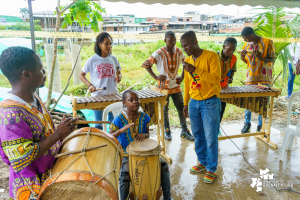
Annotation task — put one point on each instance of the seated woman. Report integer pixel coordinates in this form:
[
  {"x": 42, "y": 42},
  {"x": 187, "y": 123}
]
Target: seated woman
[{"x": 133, "y": 125}]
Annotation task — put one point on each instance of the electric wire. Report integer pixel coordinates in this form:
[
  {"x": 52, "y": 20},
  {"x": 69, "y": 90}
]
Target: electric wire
[{"x": 218, "y": 123}]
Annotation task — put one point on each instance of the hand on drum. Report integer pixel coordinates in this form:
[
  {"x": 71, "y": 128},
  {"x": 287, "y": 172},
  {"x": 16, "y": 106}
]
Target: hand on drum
[
  {"x": 140, "y": 137},
  {"x": 66, "y": 127}
]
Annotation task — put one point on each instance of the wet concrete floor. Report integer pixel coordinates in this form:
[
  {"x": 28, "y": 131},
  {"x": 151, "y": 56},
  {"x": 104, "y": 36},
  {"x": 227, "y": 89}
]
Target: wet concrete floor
[{"x": 234, "y": 174}]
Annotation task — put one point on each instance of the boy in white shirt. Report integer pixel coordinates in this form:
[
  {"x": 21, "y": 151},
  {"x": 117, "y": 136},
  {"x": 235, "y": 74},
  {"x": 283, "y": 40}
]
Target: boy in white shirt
[{"x": 168, "y": 60}]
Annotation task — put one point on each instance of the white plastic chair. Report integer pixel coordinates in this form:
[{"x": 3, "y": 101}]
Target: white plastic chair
[
  {"x": 115, "y": 108},
  {"x": 291, "y": 130}
]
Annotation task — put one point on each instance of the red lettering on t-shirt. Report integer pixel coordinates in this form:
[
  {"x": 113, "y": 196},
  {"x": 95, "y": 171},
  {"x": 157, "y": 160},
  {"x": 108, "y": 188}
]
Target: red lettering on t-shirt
[{"x": 105, "y": 70}]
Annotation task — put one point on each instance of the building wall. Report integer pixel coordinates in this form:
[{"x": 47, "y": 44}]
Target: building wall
[
  {"x": 139, "y": 20},
  {"x": 196, "y": 18},
  {"x": 192, "y": 26},
  {"x": 129, "y": 20},
  {"x": 150, "y": 19},
  {"x": 48, "y": 23},
  {"x": 171, "y": 26},
  {"x": 233, "y": 28},
  {"x": 173, "y": 19},
  {"x": 159, "y": 21},
  {"x": 112, "y": 29},
  {"x": 185, "y": 19},
  {"x": 195, "y": 15}
]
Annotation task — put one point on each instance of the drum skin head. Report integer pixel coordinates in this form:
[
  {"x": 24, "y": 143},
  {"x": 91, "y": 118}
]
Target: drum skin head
[{"x": 146, "y": 147}]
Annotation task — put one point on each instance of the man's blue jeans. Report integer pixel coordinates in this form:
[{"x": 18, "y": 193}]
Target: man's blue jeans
[
  {"x": 248, "y": 117},
  {"x": 205, "y": 121},
  {"x": 291, "y": 80},
  {"x": 98, "y": 117}
]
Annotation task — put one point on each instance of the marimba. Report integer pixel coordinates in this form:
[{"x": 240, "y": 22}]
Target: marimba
[
  {"x": 254, "y": 98},
  {"x": 151, "y": 101}
]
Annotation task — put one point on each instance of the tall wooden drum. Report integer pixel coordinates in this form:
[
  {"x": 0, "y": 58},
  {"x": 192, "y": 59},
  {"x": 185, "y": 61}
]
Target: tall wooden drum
[
  {"x": 144, "y": 168},
  {"x": 93, "y": 173}
]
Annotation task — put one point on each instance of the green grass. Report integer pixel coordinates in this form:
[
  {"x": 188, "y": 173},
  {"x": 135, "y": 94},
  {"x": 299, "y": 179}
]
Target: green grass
[{"x": 131, "y": 59}]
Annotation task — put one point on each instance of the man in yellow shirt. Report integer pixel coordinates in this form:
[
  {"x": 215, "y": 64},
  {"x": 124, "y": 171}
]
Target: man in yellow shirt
[
  {"x": 259, "y": 66},
  {"x": 202, "y": 103}
]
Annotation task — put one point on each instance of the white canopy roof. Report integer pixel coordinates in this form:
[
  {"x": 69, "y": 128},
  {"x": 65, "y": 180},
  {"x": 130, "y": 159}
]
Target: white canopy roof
[{"x": 264, "y": 3}]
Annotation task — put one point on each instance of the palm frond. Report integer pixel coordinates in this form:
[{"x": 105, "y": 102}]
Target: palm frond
[{"x": 270, "y": 24}]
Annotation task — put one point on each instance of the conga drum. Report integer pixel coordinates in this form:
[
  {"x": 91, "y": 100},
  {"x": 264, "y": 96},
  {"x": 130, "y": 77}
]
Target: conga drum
[
  {"x": 144, "y": 168},
  {"x": 93, "y": 173}
]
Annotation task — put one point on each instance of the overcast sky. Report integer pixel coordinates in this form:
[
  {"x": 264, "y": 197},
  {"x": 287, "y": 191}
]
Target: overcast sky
[{"x": 12, "y": 7}]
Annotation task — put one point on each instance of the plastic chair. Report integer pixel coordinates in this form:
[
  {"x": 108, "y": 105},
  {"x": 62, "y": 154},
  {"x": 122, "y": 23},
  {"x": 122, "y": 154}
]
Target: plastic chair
[
  {"x": 291, "y": 130},
  {"x": 116, "y": 109}
]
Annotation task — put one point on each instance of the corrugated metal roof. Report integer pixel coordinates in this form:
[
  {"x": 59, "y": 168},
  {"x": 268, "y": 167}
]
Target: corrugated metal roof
[{"x": 265, "y": 3}]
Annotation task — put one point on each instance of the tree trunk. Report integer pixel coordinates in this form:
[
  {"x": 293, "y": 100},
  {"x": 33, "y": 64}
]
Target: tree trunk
[
  {"x": 75, "y": 49},
  {"x": 54, "y": 55},
  {"x": 56, "y": 76}
]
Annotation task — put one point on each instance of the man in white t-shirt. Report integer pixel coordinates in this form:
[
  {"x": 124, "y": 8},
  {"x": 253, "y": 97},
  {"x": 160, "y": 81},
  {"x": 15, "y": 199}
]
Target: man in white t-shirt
[
  {"x": 168, "y": 60},
  {"x": 295, "y": 53}
]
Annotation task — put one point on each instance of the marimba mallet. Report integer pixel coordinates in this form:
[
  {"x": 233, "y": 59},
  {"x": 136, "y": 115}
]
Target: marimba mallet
[
  {"x": 118, "y": 72},
  {"x": 88, "y": 91},
  {"x": 91, "y": 122},
  {"x": 250, "y": 51}
]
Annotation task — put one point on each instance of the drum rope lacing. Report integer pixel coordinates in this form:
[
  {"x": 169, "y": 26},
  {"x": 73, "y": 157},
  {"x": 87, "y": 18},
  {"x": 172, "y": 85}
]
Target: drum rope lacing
[
  {"x": 113, "y": 170},
  {"x": 83, "y": 154},
  {"x": 143, "y": 164},
  {"x": 79, "y": 156}
]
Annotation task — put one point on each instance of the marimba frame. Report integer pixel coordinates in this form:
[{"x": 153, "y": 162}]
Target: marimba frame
[
  {"x": 265, "y": 134},
  {"x": 160, "y": 102}
]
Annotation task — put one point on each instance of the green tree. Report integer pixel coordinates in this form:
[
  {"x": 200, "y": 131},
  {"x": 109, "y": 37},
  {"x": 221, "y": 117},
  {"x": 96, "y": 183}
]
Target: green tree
[
  {"x": 86, "y": 13},
  {"x": 271, "y": 24},
  {"x": 23, "y": 11}
]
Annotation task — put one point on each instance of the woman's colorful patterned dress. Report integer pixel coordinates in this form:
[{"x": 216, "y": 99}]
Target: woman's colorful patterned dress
[{"x": 22, "y": 127}]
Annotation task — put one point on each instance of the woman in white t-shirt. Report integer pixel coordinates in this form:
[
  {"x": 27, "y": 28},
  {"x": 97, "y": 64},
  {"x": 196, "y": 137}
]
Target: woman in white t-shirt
[{"x": 102, "y": 67}]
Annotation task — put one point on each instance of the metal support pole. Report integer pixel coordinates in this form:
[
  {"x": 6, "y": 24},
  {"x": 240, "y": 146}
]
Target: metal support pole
[
  {"x": 123, "y": 31},
  {"x": 32, "y": 31},
  {"x": 31, "y": 25}
]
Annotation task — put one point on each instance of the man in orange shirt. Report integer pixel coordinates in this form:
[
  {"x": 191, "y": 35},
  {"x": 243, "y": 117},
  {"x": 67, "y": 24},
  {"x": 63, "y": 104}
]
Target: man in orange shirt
[
  {"x": 201, "y": 102},
  {"x": 259, "y": 66},
  {"x": 228, "y": 66}
]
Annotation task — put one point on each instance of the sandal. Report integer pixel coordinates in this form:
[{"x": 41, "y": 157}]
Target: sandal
[
  {"x": 210, "y": 177},
  {"x": 197, "y": 168}
]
